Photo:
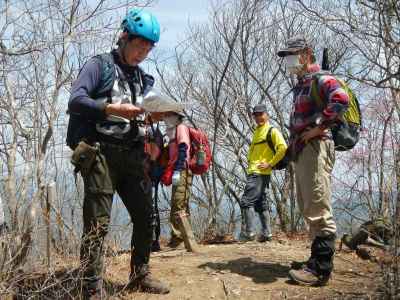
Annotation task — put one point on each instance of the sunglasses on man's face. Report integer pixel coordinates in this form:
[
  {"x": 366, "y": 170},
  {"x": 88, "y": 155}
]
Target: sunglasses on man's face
[{"x": 258, "y": 114}]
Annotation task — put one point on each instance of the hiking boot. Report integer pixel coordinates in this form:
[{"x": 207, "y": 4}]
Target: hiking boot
[
  {"x": 262, "y": 238},
  {"x": 307, "y": 276},
  {"x": 148, "y": 284},
  {"x": 95, "y": 294},
  {"x": 155, "y": 246},
  {"x": 174, "y": 242},
  {"x": 244, "y": 237},
  {"x": 144, "y": 281},
  {"x": 298, "y": 265},
  {"x": 265, "y": 221}
]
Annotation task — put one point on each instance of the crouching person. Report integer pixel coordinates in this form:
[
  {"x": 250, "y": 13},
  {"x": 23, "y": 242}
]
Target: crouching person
[
  {"x": 376, "y": 232},
  {"x": 179, "y": 174}
]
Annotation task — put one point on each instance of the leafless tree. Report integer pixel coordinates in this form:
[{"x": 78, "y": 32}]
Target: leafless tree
[{"x": 43, "y": 44}]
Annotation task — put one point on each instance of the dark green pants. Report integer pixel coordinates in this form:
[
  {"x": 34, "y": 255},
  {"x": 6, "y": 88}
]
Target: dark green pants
[{"x": 121, "y": 170}]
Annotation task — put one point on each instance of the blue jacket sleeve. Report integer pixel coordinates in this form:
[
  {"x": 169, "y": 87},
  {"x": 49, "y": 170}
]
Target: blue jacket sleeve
[
  {"x": 80, "y": 103},
  {"x": 180, "y": 162}
]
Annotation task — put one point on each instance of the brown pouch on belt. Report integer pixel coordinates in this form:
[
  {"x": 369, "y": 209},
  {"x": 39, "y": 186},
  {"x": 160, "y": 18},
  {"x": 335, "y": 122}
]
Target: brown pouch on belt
[{"x": 84, "y": 157}]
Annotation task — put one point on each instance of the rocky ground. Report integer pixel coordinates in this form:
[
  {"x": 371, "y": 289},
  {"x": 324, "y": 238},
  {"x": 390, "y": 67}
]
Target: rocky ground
[
  {"x": 251, "y": 271},
  {"x": 222, "y": 271}
]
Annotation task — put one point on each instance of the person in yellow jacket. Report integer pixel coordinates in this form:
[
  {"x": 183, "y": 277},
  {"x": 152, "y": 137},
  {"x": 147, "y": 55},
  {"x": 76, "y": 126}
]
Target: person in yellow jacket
[{"x": 261, "y": 160}]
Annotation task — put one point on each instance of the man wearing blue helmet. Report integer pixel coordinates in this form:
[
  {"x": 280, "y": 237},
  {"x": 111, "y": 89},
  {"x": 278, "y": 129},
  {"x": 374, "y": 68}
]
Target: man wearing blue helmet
[{"x": 106, "y": 130}]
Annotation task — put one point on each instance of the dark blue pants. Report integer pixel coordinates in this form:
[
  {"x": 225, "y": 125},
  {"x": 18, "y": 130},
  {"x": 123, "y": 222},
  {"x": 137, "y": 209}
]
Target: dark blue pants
[{"x": 254, "y": 192}]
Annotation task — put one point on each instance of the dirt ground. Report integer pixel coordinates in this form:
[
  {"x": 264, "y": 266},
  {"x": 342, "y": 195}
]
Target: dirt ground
[
  {"x": 222, "y": 271},
  {"x": 248, "y": 271}
]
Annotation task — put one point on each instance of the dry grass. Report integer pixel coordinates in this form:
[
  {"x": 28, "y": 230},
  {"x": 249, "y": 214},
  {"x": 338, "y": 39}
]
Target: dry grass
[{"x": 221, "y": 271}]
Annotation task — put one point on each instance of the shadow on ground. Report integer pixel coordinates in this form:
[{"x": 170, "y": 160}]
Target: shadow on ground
[{"x": 259, "y": 272}]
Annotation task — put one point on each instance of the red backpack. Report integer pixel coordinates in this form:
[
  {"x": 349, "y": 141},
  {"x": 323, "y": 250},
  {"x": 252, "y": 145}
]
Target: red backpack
[{"x": 200, "y": 151}]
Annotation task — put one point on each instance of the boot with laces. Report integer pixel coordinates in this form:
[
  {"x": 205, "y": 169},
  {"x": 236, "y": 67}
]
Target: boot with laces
[{"x": 142, "y": 280}]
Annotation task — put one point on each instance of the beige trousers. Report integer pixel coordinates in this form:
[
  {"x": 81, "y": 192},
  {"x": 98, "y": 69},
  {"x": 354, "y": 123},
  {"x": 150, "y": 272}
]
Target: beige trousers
[
  {"x": 180, "y": 201},
  {"x": 313, "y": 170}
]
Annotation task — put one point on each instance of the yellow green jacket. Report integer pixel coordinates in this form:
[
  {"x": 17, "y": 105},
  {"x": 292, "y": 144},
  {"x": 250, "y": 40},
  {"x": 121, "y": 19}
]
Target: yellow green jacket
[{"x": 260, "y": 152}]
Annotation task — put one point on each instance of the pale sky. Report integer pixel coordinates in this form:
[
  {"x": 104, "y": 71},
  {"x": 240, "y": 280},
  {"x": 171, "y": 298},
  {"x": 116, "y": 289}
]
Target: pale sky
[{"x": 174, "y": 17}]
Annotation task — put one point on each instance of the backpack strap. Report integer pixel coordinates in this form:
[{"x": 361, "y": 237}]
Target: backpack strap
[
  {"x": 107, "y": 75},
  {"x": 268, "y": 140},
  {"x": 147, "y": 81},
  {"x": 351, "y": 95},
  {"x": 314, "y": 92}
]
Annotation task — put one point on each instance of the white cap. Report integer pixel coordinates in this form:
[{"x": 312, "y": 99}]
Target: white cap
[{"x": 154, "y": 101}]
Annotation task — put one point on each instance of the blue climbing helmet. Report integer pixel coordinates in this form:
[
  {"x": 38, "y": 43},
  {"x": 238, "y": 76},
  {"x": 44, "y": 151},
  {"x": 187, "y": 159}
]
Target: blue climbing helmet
[{"x": 143, "y": 24}]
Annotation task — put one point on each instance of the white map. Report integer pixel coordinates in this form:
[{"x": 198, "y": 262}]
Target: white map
[{"x": 156, "y": 102}]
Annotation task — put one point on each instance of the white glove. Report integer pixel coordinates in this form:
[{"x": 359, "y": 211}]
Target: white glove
[{"x": 176, "y": 176}]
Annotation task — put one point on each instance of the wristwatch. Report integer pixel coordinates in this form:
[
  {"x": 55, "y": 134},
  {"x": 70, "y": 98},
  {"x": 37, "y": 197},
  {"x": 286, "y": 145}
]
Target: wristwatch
[{"x": 318, "y": 122}]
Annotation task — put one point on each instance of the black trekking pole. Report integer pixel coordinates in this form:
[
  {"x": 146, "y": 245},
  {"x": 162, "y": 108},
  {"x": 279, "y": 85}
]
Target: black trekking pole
[
  {"x": 325, "y": 60},
  {"x": 156, "y": 219}
]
